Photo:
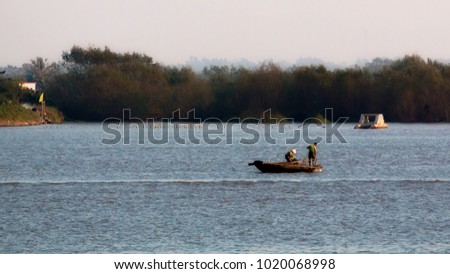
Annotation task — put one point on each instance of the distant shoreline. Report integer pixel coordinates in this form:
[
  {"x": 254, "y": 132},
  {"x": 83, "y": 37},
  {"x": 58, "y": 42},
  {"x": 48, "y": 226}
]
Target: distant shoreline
[{"x": 9, "y": 123}]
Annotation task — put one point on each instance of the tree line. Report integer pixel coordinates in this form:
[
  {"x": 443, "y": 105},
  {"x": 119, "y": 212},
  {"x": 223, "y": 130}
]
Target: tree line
[{"x": 92, "y": 84}]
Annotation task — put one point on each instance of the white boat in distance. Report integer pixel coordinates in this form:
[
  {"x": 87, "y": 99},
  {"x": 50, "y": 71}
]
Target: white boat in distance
[{"x": 371, "y": 121}]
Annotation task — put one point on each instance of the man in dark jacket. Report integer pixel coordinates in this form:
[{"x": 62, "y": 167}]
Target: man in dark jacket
[{"x": 312, "y": 154}]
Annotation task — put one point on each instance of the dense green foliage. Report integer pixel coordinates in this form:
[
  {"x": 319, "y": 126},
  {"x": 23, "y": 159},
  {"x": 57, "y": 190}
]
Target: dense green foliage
[
  {"x": 99, "y": 84},
  {"x": 8, "y": 90},
  {"x": 94, "y": 84}
]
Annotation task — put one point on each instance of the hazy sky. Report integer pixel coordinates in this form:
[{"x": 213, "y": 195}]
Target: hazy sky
[{"x": 171, "y": 31}]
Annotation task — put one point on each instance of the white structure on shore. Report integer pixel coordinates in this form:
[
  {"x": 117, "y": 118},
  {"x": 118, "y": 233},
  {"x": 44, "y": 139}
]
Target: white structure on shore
[
  {"x": 28, "y": 85},
  {"x": 371, "y": 121}
]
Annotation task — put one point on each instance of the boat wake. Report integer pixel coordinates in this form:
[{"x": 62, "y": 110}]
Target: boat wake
[{"x": 266, "y": 179}]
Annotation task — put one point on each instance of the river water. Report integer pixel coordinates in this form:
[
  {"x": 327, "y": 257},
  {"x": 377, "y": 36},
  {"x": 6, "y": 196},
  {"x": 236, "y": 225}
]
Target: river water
[{"x": 62, "y": 190}]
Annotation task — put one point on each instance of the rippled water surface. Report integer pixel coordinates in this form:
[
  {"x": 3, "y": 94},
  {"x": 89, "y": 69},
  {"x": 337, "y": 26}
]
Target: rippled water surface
[{"x": 384, "y": 191}]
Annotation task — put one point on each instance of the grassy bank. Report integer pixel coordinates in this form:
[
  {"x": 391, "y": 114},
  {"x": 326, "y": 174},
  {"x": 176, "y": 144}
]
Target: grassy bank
[
  {"x": 54, "y": 115},
  {"x": 17, "y": 115}
]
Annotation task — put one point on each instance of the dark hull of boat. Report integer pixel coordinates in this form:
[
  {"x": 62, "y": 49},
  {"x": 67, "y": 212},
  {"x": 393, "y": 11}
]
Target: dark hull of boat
[{"x": 285, "y": 167}]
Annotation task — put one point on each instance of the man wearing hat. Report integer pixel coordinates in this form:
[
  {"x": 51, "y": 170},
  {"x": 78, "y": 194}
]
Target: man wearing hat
[{"x": 290, "y": 155}]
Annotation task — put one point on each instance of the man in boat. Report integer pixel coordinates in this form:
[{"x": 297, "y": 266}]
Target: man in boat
[
  {"x": 312, "y": 154},
  {"x": 290, "y": 155}
]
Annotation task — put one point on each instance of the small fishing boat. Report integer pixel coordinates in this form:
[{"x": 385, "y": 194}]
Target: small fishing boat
[{"x": 286, "y": 167}]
